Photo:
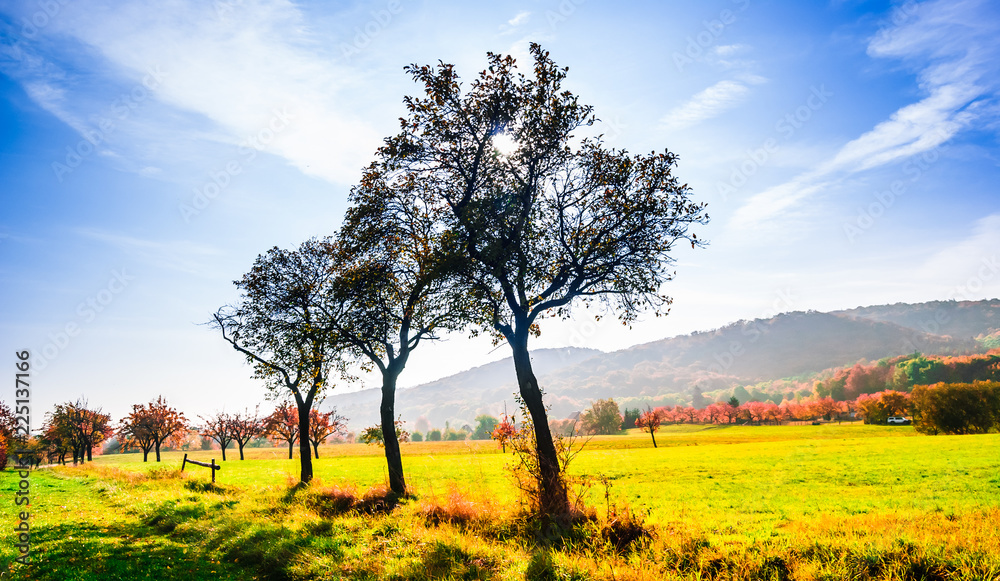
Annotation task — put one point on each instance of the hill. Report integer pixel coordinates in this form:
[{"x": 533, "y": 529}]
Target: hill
[
  {"x": 958, "y": 319},
  {"x": 743, "y": 353}
]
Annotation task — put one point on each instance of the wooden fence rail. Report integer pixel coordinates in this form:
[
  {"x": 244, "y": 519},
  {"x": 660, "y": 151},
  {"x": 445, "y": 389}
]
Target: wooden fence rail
[{"x": 213, "y": 466}]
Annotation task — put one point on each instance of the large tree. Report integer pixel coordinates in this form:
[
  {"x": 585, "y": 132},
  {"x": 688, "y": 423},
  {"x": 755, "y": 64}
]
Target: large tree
[
  {"x": 544, "y": 218},
  {"x": 284, "y": 326},
  {"x": 395, "y": 287}
]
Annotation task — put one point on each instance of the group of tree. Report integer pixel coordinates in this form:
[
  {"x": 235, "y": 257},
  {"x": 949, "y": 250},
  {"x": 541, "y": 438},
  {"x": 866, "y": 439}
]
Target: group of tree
[
  {"x": 447, "y": 230},
  {"x": 905, "y": 372},
  {"x": 73, "y": 429}
]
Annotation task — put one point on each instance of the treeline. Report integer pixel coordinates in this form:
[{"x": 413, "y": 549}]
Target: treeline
[
  {"x": 901, "y": 373},
  {"x": 75, "y": 430}
]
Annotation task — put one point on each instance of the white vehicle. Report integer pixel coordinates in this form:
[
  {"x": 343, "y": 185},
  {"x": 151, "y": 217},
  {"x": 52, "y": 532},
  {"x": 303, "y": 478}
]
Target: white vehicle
[{"x": 897, "y": 421}]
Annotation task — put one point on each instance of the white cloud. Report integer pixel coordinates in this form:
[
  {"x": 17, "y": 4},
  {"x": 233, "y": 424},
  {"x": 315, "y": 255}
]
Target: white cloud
[
  {"x": 729, "y": 49},
  {"x": 707, "y": 104},
  {"x": 234, "y": 69},
  {"x": 952, "y": 45},
  {"x": 969, "y": 268},
  {"x": 519, "y": 19}
]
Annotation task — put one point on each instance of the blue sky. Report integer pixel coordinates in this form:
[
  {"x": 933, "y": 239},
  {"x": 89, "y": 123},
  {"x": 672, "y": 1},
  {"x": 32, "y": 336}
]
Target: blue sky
[{"x": 151, "y": 150}]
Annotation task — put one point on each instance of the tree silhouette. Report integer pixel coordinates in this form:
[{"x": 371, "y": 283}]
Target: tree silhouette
[
  {"x": 550, "y": 223},
  {"x": 393, "y": 288},
  {"x": 284, "y": 326}
]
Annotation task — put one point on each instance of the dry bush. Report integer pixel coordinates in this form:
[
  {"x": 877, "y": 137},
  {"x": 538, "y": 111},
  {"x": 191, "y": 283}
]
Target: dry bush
[
  {"x": 458, "y": 508},
  {"x": 328, "y": 501}
]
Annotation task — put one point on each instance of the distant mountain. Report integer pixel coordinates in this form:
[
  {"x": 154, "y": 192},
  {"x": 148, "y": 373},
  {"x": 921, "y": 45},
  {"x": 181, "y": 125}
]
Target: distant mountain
[
  {"x": 958, "y": 319},
  {"x": 743, "y": 353},
  {"x": 461, "y": 397}
]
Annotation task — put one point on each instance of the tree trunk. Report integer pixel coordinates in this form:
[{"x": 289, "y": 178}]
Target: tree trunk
[
  {"x": 652, "y": 435},
  {"x": 90, "y": 453},
  {"x": 393, "y": 458},
  {"x": 291, "y": 449},
  {"x": 145, "y": 454},
  {"x": 553, "y": 499},
  {"x": 224, "y": 451},
  {"x": 316, "y": 449},
  {"x": 157, "y": 451},
  {"x": 305, "y": 454},
  {"x": 240, "y": 444}
]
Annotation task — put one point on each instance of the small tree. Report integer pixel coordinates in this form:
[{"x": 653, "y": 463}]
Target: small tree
[
  {"x": 81, "y": 428},
  {"x": 485, "y": 424},
  {"x": 218, "y": 427},
  {"x": 372, "y": 435},
  {"x": 603, "y": 417},
  {"x": 245, "y": 426},
  {"x": 504, "y": 432},
  {"x": 284, "y": 327},
  {"x": 283, "y": 426},
  {"x": 649, "y": 421},
  {"x": 323, "y": 425},
  {"x": 150, "y": 425}
]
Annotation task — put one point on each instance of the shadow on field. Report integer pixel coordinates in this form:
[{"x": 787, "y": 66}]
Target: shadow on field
[{"x": 81, "y": 552}]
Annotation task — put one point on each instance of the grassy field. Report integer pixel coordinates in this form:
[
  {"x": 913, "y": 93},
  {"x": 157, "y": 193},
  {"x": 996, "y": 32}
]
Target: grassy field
[{"x": 761, "y": 502}]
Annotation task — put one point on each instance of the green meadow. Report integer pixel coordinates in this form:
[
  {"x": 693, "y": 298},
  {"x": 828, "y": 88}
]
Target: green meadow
[{"x": 742, "y": 502}]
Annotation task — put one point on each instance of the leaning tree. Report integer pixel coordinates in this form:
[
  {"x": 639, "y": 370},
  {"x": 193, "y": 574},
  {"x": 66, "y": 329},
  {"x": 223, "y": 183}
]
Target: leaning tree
[
  {"x": 394, "y": 288},
  {"x": 283, "y": 326},
  {"x": 544, "y": 218}
]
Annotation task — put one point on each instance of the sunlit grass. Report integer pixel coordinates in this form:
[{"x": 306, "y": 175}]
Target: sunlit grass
[{"x": 741, "y": 502}]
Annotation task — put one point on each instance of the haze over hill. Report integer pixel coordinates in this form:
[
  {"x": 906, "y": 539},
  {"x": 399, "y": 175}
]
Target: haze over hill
[{"x": 742, "y": 353}]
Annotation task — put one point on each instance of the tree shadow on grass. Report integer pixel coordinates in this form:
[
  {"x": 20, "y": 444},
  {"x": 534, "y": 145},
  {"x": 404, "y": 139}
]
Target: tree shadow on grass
[{"x": 85, "y": 552}]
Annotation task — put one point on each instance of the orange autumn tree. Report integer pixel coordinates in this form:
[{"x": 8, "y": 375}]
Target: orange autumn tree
[
  {"x": 150, "y": 425},
  {"x": 283, "y": 426},
  {"x": 649, "y": 421}
]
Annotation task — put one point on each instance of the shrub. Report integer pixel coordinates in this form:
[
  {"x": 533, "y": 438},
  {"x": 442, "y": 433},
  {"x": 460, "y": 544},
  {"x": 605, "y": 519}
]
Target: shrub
[
  {"x": 434, "y": 435},
  {"x": 417, "y": 437},
  {"x": 956, "y": 408}
]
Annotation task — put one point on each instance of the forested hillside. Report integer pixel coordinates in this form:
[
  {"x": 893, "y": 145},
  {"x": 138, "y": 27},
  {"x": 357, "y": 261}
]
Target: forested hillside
[{"x": 745, "y": 353}]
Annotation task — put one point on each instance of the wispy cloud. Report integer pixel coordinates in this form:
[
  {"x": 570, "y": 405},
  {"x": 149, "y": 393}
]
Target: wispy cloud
[
  {"x": 519, "y": 19},
  {"x": 707, "y": 104},
  {"x": 178, "y": 255},
  {"x": 953, "y": 47},
  {"x": 214, "y": 66}
]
